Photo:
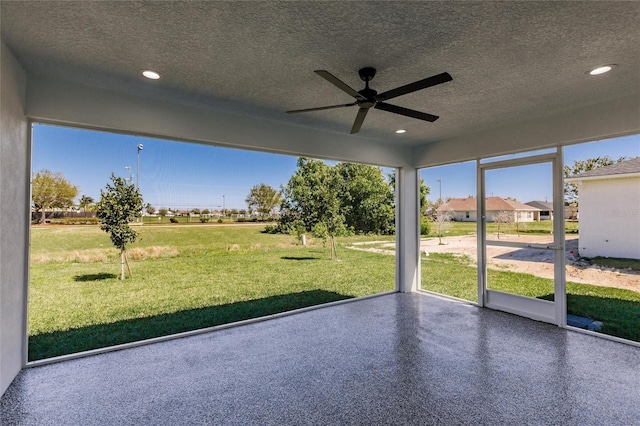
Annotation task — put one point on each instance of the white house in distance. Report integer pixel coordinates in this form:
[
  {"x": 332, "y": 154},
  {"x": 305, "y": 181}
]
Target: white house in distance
[
  {"x": 609, "y": 199},
  {"x": 546, "y": 210},
  {"x": 464, "y": 210}
]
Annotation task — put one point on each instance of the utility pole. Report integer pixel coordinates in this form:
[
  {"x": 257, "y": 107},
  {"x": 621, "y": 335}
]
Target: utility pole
[
  {"x": 138, "y": 168},
  {"x": 138, "y": 178}
]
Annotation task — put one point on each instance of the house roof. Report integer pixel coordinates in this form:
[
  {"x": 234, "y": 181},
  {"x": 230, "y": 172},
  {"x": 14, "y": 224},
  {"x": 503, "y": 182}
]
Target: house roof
[
  {"x": 526, "y": 62},
  {"x": 629, "y": 167},
  {"x": 542, "y": 205},
  {"x": 492, "y": 204}
]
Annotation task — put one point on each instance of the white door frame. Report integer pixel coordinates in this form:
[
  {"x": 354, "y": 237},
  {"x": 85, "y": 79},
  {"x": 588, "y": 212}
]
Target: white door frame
[{"x": 553, "y": 312}]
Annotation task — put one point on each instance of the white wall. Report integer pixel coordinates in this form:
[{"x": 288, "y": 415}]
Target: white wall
[
  {"x": 605, "y": 120},
  {"x": 14, "y": 193},
  {"x": 609, "y": 218}
]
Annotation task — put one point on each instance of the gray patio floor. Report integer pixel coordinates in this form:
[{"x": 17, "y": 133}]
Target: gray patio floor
[{"x": 394, "y": 359}]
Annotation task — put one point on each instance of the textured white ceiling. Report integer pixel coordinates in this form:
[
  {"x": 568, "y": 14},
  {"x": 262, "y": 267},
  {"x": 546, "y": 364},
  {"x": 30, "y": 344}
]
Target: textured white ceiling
[{"x": 510, "y": 61}]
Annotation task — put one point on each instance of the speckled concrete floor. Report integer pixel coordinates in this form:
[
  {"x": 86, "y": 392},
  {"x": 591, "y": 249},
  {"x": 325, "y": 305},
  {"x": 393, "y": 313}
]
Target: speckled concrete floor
[{"x": 394, "y": 359}]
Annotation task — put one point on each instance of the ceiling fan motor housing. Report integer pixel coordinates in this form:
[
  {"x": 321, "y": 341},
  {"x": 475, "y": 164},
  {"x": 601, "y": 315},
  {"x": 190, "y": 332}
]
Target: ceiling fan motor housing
[{"x": 366, "y": 75}]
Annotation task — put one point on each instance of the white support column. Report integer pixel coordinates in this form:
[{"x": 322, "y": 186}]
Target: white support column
[
  {"x": 407, "y": 230},
  {"x": 559, "y": 240},
  {"x": 14, "y": 217}
]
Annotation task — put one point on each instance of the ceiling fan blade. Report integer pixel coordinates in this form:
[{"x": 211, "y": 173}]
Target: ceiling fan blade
[
  {"x": 339, "y": 83},
  {"x": 295, "y": 111},
  {"x": 412, "y": 87},
  {"x": 362, "y": 113},
  {"x": 406, "y": 112}
]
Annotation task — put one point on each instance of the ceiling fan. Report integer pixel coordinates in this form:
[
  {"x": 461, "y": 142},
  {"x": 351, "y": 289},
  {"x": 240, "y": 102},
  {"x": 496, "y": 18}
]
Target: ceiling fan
[{"x": 368, "y": 98}]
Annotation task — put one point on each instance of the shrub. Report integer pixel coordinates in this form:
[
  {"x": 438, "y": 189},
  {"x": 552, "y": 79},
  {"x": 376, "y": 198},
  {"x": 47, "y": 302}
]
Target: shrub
[
  {"x": 271, "y": 229},
  {"x": 220, "y": 220},
  {"x": 321, "y": 232},
  {"x": 297, "y": 228},
  {"x": 204, "y": 219},
  {"x": 425, "y": 226},
  {"x": 173, "y": 220}
]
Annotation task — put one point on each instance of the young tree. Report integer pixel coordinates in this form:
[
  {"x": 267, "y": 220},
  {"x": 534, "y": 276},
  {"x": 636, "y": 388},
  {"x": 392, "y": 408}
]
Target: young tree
[
  {"x": 311, "y": 196},
  {"x": 502, "y": 218},
  {"x": 263, "y": 198},
  {"x": 85, "y": 202},
  {"x": 442, "y": 218},
  {"x": 149, "y": 209},
  {"x": 519, "y": 223},
  {"x": 162, "y": 212},
  {"x": 119, "y": 204},
  {"x": 51, "y": 190},
  {"x": 581, "y": 166}
]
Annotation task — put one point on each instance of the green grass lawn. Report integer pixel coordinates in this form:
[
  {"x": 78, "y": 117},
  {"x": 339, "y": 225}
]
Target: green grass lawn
[
  {"x": 618, "y": 309},
  {"x": 470, "y": 228},
  {"x": 184, "y": 278},
  {"x": 196, "y": 276}
]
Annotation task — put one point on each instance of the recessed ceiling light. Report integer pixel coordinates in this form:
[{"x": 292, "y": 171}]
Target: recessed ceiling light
[
  {"x": 151, "y": 75},
  {"x": 601, "y": 70},
  {"x": 401, "y": 131}
]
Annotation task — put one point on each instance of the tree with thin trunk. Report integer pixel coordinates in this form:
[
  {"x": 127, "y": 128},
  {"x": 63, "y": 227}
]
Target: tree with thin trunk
[
  {"x": 162, "y": 212},
  {"x": 442, "y": 218},
  {"x": 120, "y": 204},
  {"x": 51, "y": 190},
  {"x": 502, "y": 219},
  {"x": 150, "y": 209},
  {"x": 85, "y": 202},
  {"x": 313, "y": 196}
]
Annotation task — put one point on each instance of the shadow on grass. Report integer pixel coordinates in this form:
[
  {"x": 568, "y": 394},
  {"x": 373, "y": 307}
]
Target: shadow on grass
[
  {"x": 299, "y": 258},
  {"x": 58, "y": 343},
  {"x": 94, "y": 277},
  {"x": 620, "y": 317}
]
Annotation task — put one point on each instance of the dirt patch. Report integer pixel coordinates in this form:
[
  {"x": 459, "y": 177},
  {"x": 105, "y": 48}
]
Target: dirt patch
[
  {"x": 527, "y": 260},
  {"x": 535, "y": 261},
  {"x": 382, "y": 247}
]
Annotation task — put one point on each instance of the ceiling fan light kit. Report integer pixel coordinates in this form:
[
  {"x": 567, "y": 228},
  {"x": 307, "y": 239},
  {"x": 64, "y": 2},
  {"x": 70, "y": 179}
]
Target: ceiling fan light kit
[{"x": 368, "y": 98}]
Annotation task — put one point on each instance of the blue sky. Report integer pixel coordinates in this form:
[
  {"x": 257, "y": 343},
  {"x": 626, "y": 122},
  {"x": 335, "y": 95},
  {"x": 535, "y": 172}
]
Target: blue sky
[
  {"x": 172, "y": 175},
  {"x": 185, "y": 176},
  {"x": 525, "y": 183}
]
